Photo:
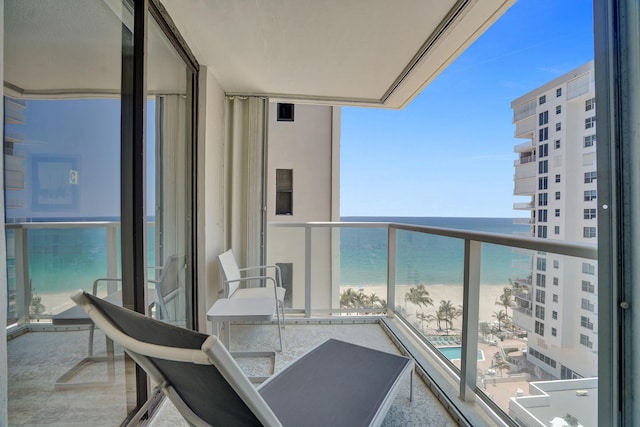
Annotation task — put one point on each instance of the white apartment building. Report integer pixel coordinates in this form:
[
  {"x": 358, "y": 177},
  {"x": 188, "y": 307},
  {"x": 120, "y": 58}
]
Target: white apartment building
[{"x": 556, "y": 171}]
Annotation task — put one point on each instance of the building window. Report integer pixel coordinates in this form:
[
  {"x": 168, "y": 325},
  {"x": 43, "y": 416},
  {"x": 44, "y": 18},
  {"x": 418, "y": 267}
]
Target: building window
[
  {"x": 543, "y": 134},
  {"x": 539, "y": 312},
  {"x": 286, "y": 272},
  {"x": 590, "y": 104},
  {"x": 543, "y": 166},
  {"x": 587, "y": 286},
  {"x": 542, "y": 215},
  {"x": 556, "y": 144},
  {"x": 589, "y": 213},
  {"x": 556, "y": 281},
  {"x": 541, "y": 264},
  {"x": 586, "y": 305},
  {"x": 540, "y": 296},
  {"x": 589, "y": 140},
  {"x": 543, "y": 150},
  {"x": 558, "y": 126},
  {"x": 542, "y": 231},
  {"x": 543, "y": 118},
  {"x": 284, "y": 191},
  {"x": 542, "y": 183},
  {"x": 558, "y": 92},
  {"x": 557, "y": 177},
  {"x": 584, "y": 340},
  {"x": 588, "y": 232},
  {"x": 557, "y": 212},
  {"x": 590, "y": 177},
  {"x": 543, "y": 358},
  {"x": 539, "y": 328},
  {"x": 590, "y": 122},
  {"x": 586, "y": 323},
  {"x": 541, "y": 280},
  {"x": 285, "y": 112},
  {"x": 554, "y": 315},
  {"x": 590, "y": 195},
  {"x": 588, "y": 268},
  {"x": 543, "y": 199},
  {"x": 558, "y": 109},
  {"x": 556, "y": 263},
  {"x": 555, "y": 297},
  {"x": 542, "y": 99},
  {"x": 556, "y": 229},
  {"x": 554, "y": 332},
  {"x": 557, "y": 195}
]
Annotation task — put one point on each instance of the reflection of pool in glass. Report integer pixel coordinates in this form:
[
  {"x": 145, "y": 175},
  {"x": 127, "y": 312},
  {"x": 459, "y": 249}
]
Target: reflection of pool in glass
[{"x": 455, "y": 353}]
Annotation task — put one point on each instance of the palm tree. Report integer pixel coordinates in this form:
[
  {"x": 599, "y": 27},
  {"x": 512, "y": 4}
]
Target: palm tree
[
  {"x": 418, "y": 296},
  {"x": 349, "y": 298},
  {"x": 448, "y": 313},
  {"x": 502, "y": 364},
  {"x": 501, "y": 317},
  {"x": 506, "y": 299}
]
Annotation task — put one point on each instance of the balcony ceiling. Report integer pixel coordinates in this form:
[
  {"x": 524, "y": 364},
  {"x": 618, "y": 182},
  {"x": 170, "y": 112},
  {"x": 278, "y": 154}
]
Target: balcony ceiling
[
  {"x": 355, "y": 52},
  {"x": 346, "y": 52}
]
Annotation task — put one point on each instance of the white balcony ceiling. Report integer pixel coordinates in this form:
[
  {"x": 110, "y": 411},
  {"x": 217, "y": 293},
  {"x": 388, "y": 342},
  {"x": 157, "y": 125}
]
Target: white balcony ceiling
[
  {"x": 355, "y": 52},
  {"x": 374, "y": 52}
]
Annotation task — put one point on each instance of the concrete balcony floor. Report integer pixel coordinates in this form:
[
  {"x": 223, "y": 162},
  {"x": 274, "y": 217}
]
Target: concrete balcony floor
[{"x": 37, "y": 359}]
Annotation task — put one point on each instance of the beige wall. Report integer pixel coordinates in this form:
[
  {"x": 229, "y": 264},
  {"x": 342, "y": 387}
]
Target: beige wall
[
  {"x": 310, "y": 147},
  {"x": 210, "y": 191}
]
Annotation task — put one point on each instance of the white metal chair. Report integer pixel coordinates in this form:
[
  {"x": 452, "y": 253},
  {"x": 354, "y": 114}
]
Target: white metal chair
[{"x": 233, "y": 278}]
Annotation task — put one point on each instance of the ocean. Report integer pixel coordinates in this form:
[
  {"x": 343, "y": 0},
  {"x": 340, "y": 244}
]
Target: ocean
[{"x": 425, "y": 259}]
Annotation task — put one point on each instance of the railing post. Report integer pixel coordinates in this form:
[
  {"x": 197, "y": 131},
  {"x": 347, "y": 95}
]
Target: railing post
[
  {"x": 23, "y": 282},
  {"x": 391, "y": 271},
  {"x": 307, "y": 271},
  {"x": 470, "y": 304},
  {"x": 112, "y": 256}
]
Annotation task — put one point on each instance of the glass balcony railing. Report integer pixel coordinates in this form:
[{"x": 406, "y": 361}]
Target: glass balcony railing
[{"x": 500, "y": 338}]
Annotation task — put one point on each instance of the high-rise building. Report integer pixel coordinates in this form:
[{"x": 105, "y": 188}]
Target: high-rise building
[{"x": 556, "y": 171}]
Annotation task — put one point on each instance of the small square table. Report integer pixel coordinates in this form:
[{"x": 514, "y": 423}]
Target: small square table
[{"x": 227, "y": 310}]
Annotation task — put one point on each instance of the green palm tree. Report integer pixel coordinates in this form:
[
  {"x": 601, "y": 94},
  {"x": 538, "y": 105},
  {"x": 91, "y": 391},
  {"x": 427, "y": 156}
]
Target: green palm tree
[
  {"x": 506, "y": 299},
  {"x": 418, "y": 296},
  {"x": 448, "y": 313},
  {"x": 501, "y": 317}
]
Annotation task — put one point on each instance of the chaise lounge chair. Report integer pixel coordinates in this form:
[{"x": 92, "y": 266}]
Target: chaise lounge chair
[{"x": 331, "y": 385}]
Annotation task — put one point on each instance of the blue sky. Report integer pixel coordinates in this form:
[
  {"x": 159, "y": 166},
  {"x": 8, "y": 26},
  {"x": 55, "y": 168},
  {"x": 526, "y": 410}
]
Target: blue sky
[{"x": 450, "y": 151}]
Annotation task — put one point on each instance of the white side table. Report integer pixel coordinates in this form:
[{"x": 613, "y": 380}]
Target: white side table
[{"x": 227, "y": 310}]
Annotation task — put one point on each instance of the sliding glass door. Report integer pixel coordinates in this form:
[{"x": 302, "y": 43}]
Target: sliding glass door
[{"x": 73, "y": 193}]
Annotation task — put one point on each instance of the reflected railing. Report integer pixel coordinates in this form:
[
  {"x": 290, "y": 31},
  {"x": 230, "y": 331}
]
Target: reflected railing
[
  {"x": 460, "y": 292},
  {"x": 48, "y": 261}
]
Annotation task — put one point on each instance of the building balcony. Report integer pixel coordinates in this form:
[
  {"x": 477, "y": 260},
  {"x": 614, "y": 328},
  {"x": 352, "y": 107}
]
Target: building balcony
[
  {"x": 526, "y": 127},
  {"x": 525, "y": 186},
  {"x": 394, "y": 262},
  {"x": 524, "y": 147},
  {"x": 523, "y": 221}
]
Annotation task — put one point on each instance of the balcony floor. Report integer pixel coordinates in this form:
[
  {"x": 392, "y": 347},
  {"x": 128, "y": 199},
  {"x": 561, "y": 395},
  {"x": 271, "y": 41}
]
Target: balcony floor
[
  {"x": 37, "y": 359},
  {"x": 298, "y": 338}
]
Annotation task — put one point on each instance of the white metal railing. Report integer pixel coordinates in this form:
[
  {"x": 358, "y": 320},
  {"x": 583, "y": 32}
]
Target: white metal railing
[
  {"x": 473, "y": 241},
  {"x": 524, "y": 160}
]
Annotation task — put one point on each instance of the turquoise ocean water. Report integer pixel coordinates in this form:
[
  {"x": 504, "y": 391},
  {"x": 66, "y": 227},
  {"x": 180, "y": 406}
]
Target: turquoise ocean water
[{"x": 425, "y": 259}]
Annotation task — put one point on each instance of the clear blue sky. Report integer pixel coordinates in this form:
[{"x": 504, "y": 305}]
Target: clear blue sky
[{"x": 450, "y": 151}]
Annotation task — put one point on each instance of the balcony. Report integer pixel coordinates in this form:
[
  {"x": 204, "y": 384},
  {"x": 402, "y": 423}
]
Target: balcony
[
  {"x": 523, "y": 206},
  {"x": 524, "y": 186},
  {"x": 524, "y": 147},
  {"x": 392, "y": 261}
]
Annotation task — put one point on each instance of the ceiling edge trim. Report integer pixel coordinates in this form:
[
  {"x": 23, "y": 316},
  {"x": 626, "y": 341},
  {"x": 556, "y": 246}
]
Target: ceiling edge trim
[{"x": 439, "y": 32}]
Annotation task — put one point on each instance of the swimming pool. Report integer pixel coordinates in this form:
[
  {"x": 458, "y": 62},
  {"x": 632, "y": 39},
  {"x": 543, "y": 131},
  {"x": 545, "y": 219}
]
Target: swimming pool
[{"x": 455, "y": 353}]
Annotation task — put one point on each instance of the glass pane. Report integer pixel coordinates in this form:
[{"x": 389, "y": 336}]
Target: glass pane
[
  {"x": 62, "y": 70},
  {"x": 169, "y": 186}
]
